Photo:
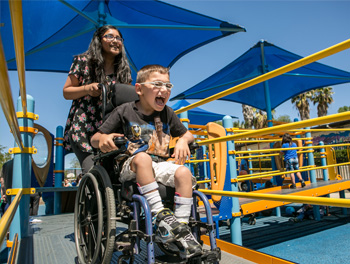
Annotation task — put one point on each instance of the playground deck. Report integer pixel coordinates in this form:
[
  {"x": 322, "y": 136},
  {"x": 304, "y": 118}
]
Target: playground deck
[
  {"x": 320, "y": 188},
  {"x": 52, "y": 240}
]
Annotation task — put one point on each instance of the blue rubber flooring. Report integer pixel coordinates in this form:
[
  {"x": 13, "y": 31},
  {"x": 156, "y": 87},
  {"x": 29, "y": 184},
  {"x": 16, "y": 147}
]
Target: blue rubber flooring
[{"x": 306, "y": 242}]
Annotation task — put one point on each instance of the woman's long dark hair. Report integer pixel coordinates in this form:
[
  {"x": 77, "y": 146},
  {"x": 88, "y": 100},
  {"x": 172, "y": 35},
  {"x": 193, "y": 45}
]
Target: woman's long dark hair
[
  {"x": 287, "y": 139},
  {"x": 95, "y": 60}
]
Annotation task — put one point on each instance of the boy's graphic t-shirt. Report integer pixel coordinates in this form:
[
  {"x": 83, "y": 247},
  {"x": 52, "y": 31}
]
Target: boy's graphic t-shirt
[{"x": 150, "y": 134}]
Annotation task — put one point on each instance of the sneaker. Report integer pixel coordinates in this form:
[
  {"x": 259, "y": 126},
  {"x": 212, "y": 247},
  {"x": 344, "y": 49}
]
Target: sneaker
[
  {"x": 169, "y": 230},
  {"x": 302, "y": 184},
  {"x": 293, "y": 186},
  {"x": 188, "y": 245}
]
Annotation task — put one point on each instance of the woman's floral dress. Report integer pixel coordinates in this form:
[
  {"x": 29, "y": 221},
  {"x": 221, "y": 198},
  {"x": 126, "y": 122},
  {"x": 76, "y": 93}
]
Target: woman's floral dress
[{"x": 85, "y": 114}]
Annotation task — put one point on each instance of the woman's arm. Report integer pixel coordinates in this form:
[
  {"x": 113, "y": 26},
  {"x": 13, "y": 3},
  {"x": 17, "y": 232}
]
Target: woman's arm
[{"x": 72, "y": 90}]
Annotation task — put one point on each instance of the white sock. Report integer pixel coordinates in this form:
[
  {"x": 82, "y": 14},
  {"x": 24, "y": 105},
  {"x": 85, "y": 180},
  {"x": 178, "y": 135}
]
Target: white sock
[
  {"x": 155, "y": 201},
  {"x": 183, "y": 207}
]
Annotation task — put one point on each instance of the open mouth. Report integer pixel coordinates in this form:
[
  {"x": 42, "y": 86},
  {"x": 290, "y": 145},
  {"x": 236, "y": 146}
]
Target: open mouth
[{"x": 160, "y": 101}]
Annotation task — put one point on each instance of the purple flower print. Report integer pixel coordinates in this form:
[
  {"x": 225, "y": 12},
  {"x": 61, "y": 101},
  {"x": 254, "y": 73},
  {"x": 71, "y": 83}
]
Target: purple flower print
[
  {"x": 82, "y": 117},
  {"x": 75, "y": 137},
  {"x": 91, "y": 109},
  {"x": 76, "y": 127},
  {"x": 86, "y": 146},
  {"x": 89, "y": 127}
]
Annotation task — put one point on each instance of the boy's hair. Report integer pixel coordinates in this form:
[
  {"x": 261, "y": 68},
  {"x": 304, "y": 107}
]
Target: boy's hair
[
  {"x": 144, "y": 73},
  {"x": 287, "y": 139}
]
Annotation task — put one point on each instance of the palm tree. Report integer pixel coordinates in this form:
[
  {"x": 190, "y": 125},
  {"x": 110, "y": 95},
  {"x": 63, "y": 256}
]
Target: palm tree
[
  {"x": 248, "y": 115},
  {"x": 323, "y": 97},
  {"x": 301, "y": 102}
]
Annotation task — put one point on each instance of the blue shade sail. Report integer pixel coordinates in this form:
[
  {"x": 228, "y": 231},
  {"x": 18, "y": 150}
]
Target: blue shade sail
[
  {"x": 154, "y": 32},
  {"x": 281, "y": 88},
  {"x": 197, "y": 115}
]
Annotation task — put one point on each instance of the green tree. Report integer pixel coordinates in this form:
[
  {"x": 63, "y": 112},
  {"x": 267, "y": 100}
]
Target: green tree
[
  {"x": 301, "y": 103},
  {"x": 248, "y": 115},
  {"x": 74, "y": 163},
  {"x": 323, "y": 98},
  {"x": 284, "y": 118},
  {"x": 4, "y": 155},
  {"x": 343, "y": 109}
]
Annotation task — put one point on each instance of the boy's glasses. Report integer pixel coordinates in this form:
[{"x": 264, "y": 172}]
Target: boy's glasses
[
  {"x": 159, "y": 84},
  {"x": 110, "y": 38}
]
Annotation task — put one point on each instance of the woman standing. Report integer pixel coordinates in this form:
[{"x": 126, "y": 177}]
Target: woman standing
[{"x": 104, "y": 62}]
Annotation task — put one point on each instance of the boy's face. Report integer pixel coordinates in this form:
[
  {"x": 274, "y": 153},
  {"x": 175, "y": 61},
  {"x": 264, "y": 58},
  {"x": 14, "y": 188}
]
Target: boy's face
[{"x": 152, "y": 98}]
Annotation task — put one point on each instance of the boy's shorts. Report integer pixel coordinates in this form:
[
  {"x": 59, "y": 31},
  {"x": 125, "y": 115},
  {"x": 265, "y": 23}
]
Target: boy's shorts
[
  {"x": 292, "y": 164},
  {"x": 164, "y": 172}
]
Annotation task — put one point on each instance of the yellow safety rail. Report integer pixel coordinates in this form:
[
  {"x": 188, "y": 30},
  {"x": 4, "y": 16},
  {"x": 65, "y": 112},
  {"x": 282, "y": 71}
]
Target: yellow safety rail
[
  {"x": 285, "y": 172},
  {"x": 289, "y": 67},
  {"x": 17, "y": 29},
  {"x": 6, "y": 99},
  {"x": 6, "y": 219},
  {"x": 283, "y": 198},
  {"x": 286, "y": 127}
]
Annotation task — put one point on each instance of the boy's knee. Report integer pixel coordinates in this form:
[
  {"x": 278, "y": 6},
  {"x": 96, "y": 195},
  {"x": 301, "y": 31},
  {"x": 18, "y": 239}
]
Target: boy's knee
[
  {"x": 142, "y": 158},
  {"x": 183, "y": 173}
]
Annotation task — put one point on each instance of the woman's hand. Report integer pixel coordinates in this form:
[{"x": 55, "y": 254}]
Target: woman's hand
[{"x": 92, "y": 89}]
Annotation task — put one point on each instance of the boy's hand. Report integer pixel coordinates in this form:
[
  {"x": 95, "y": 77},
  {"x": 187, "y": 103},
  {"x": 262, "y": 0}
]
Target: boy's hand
[
  {"x": 106, "y": 143},
  {"x": 181, "y": 151}
]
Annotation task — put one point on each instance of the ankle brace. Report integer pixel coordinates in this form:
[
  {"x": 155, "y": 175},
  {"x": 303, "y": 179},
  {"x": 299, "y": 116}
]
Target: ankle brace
[
  {"x": 183, "y": 207},
  {"x": 147, "y": 188}
]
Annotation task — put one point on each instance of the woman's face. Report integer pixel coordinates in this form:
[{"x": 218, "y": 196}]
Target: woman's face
[{"x": 111, "y": 46}]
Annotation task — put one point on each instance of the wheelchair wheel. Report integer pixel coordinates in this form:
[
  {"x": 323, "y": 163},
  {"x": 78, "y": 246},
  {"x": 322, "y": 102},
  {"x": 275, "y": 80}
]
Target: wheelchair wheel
[
  {"x": 95, "y": 210},
  {"x": 109, "y": 214},
  {"x": 88, "y": 216}
]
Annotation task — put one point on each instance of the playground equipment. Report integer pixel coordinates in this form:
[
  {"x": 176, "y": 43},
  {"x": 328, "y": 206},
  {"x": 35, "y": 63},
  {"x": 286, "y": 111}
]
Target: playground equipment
[{"x": 23, "y": 188}]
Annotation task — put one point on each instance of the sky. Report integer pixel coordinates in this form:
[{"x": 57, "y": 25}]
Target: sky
[{"x": 301, "y": 27}]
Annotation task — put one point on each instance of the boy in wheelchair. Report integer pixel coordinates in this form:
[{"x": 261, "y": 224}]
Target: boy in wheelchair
[{"x": 148, "y": 124}]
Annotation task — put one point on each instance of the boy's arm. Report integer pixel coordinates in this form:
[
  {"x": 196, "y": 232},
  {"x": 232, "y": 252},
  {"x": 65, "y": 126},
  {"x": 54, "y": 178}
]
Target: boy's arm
[
  {"x": 105, "y": 142},
  {"x": 181, "y": 150}
]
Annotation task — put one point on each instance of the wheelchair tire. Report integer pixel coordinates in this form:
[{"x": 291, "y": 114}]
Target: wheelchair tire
[
  {"x": 88, "y": 217},
  {"x": 109, "y": 213},
  {"x": 95, "y": 190}
]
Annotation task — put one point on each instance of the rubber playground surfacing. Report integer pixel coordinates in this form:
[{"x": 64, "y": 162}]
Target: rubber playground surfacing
[{"x": 306, "y": 242}]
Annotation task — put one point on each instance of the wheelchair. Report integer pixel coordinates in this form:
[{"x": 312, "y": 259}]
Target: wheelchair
[{"x": 102, "y": 202}]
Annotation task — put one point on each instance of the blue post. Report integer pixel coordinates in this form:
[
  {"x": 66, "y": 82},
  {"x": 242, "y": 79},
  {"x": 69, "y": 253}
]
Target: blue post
[
  {"x": 205, "y": 164},
  {"x": 22, "y": 168},
  {"x": 235, "y": 223},
  {"x": 101, "y": 13},
  {"x": 184, "y": 119},
  {"x": 311, "y": 162},
  {"x": 250, "y": 166},
  {"x": 324, "y": 162},
  {"x": 342, "y": 195},
  {"x": 59, "y": 168}
]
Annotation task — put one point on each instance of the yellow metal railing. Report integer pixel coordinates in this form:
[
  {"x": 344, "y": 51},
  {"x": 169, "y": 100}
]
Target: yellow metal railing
[
  {"x": 247, "y": 177},
  {"x": 6, "y": 99},
  {"x": 283, "y": 198},
  {"x": 285, "y": 127},
  {"x": 7, "y": 218}
]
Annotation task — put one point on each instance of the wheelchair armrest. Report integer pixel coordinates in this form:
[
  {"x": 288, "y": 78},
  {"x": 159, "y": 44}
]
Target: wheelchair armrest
[
  {"x": 193, "y": 146},
  {"x": 120, "y": 142}
]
